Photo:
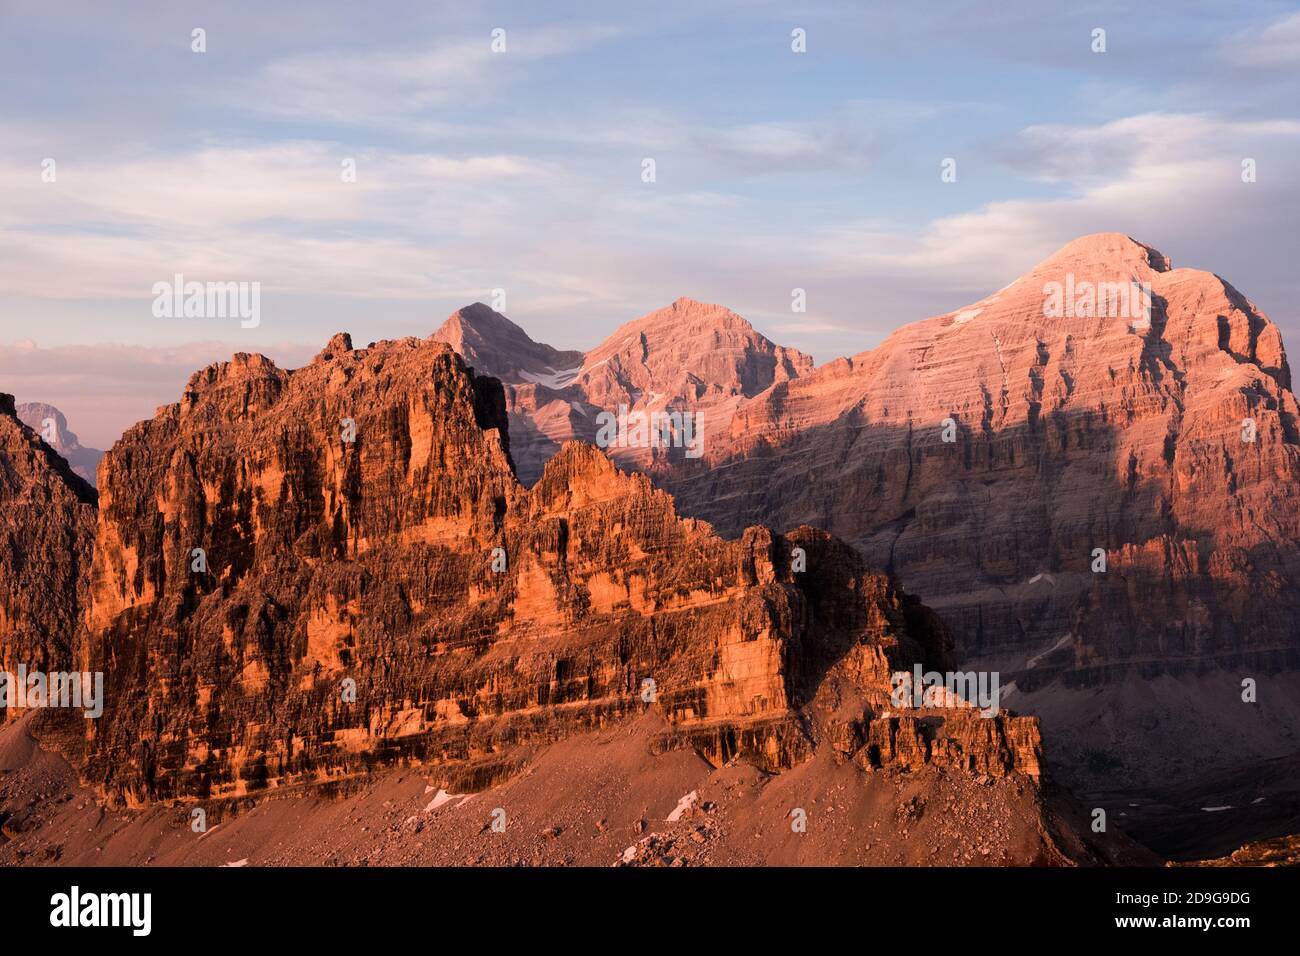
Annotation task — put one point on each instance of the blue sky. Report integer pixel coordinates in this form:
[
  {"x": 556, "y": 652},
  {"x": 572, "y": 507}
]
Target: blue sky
[{"x": 522, "y": 170}]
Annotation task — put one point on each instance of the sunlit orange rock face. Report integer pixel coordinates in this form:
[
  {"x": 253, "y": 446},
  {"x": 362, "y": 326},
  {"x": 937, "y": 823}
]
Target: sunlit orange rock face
[
  {"x": 1105, "y": 410},
  {"x": 47, "y": 521},
  {"x": 402, "y": 596},
  {"x": 1169, "y": 443}
]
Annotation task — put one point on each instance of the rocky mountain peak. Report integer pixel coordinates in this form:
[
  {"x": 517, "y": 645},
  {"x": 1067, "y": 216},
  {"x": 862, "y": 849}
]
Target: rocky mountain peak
[
  {"x": 1104, "y": 404},
  {"x": 339, "y": 343},
  {"x": 1106, "y": 250},
  {"x": 40, "y": 416},
  {"x": 495, "y": 346}
]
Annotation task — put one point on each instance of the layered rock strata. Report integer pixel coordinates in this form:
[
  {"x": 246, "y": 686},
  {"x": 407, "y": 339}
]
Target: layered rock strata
[{"x": 302, "y": 574}]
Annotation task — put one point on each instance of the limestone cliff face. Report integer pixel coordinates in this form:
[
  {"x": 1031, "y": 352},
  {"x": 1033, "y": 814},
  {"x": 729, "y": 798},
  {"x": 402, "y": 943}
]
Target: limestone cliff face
[
  {"x": 47, "y": 520},
  {"x": 273, "y": 603},
  {"x": 985, "y": 455}
]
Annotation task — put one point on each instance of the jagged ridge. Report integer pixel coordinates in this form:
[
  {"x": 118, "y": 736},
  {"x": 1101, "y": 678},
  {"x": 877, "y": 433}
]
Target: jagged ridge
[{"x": 372, "y": 561}]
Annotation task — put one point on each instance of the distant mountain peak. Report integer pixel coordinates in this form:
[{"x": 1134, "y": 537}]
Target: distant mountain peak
[
  {"x": 688, "y": 354},
  {"x": 1105, "y": 249},
  {"x": 52, "y": 425},
  {"x": 495, "y": 346},
  {"x": 1104, "y": 403}
]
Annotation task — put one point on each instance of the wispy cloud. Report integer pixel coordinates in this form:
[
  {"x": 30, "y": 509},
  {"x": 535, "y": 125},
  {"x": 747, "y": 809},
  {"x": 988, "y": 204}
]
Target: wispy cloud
[
  {"x": 1082, "y": 154},
  {"x": 389, "y": 86},
  {"x": 787, "y": 147},
  {"x": 1168, "y": 179},
  {"x": 280, "y": 214},
  {"x": 1276, "y": 45}
]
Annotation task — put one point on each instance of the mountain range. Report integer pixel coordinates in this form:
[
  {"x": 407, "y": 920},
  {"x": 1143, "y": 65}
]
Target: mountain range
[
  {"x": 995, "y": 459},
  {"x": 409, "y": 561}
]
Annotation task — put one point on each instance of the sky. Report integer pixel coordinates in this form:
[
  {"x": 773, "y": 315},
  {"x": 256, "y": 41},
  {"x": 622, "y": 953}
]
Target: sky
[{"x": 128, "y": 157}]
